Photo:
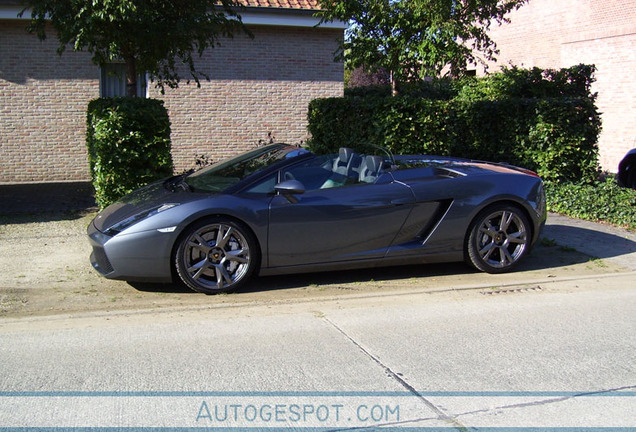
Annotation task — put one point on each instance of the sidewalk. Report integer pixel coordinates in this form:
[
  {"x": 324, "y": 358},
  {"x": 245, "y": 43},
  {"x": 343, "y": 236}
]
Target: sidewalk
[{"x": 598, "y": 240}]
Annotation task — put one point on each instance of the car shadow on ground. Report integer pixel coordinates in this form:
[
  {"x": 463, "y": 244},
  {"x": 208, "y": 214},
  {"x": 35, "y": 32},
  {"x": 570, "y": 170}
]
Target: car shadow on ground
[
  {"x": 545, "y": 256},
  {"x": 164, "y": 288},
  {"x": 596, "y": 243},
  {"x": 361, "y": 276},
  {"x": 292, "y": 281}
]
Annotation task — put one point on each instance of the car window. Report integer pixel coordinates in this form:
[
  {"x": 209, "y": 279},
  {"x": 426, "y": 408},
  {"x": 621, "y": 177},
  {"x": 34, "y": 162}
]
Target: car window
[
  {"x": 331, "y": 171},
  {"x": 312, "y": 173},
  {"x": 326, "y": 172},
  {"x": 265, "y": 186}
]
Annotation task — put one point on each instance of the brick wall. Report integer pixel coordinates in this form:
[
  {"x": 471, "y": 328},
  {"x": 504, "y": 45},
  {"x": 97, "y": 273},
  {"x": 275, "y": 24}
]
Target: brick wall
[
  {"x": 43, "y": 98},
  {"x": 257, "y": 86},
  {"x": 554, "y": 34}
]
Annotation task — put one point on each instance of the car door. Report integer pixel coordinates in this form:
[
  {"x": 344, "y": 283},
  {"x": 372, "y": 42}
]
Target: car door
[{"x": 352, "y": 222}]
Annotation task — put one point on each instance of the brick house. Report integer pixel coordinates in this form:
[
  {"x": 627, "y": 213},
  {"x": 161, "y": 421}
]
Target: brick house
[
  {"x": 563, "y": 33},
  {"x": 256, "y": 86}
]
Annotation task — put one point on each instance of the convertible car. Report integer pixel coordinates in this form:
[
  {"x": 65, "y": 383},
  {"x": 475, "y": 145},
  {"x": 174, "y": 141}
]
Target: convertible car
[{"x": 282, "y": 209}]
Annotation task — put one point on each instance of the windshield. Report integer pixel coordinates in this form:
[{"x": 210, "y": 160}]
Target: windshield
[{"x": 222, "y": 175}]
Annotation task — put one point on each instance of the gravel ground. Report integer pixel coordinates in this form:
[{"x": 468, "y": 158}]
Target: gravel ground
[{"x": 44, "y": 270}]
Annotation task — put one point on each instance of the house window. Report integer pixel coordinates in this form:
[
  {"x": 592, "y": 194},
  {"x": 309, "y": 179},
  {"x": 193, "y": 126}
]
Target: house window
[{"x": 113, "y": 81}]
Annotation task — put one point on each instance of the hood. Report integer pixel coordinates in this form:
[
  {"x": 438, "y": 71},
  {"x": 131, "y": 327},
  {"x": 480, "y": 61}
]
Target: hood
[{"x": 141, "y": 201}]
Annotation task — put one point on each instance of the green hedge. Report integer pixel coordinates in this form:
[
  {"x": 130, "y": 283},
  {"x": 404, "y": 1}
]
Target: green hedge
[
  {"x": 572, "y": 82},
  {"x": 555, "y": 136},
  {"x": 128, "y": 142},
  {"x": 599, "y": 201}
]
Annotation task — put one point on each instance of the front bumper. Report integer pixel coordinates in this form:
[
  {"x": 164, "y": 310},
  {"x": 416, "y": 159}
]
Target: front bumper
[{"x": 140, "y": 256}]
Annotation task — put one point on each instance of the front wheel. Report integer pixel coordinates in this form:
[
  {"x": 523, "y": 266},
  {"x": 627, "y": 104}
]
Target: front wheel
[
  {"x": 216, "y": 255},
  {"x": 498, "y": 238}
]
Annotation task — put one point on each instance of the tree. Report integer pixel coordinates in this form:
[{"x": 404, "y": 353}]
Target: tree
[
  {"x": 417, "y": 38},
  {"x": 149, "y": 36}
]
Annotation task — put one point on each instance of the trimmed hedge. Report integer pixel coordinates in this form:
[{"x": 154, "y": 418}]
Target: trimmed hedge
[
  {"x": 499, "y": 118},
  {"x": 128, "y": 142}
]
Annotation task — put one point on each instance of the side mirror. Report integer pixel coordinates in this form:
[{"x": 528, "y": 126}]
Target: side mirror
[{"x": 289, "y": 188}]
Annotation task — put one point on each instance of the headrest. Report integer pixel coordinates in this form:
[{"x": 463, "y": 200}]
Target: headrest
[
  {"x": 374, "y": 162},
  {"x": 345, "y": 153}
]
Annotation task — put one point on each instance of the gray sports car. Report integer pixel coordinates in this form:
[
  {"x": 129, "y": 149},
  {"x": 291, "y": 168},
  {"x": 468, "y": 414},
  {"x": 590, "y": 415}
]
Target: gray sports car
[{"x": 282, "y": 209}]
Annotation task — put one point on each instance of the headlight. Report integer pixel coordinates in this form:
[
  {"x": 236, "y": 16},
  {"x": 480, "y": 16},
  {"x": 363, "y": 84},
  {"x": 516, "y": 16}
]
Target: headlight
[{"x": 120, "y": 226}]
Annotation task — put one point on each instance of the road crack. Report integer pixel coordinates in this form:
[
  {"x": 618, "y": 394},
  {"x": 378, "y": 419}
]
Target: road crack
[
  {"x": 546, "y": 401},
  {"x": 441, "y": 415}
]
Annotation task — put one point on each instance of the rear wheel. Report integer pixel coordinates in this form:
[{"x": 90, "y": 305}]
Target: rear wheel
[
  {"x": 498, "y": 238},
  {"x": 216, "y": 255}
]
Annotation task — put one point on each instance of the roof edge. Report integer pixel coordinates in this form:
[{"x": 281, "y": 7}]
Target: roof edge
[{"x": 265, "y": 16}]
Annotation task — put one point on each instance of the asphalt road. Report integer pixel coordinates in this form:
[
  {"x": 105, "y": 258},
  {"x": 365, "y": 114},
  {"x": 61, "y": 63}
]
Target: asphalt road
[{"x": 557, "y": 357}]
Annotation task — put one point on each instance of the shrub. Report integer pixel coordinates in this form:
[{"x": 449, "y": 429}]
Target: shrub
[
  {"x": 368, "y": 91},
  {"x": 128, "y": 142},
  {"x": 328, "y": 119},
  {"x": 575, "y": 81},
  {"x": 562, "y": 140},
  {"x": 546, "y": 121},
  {"x": 438, "y": 89},
  {"x": 598, "y": 201},
  {"x": 412, "y": 126}
]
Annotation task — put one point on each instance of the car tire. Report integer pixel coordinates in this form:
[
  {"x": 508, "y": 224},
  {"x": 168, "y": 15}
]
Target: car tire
[
  {"x": 216, "y": 255},
  {"x": 498, "y": 238}
]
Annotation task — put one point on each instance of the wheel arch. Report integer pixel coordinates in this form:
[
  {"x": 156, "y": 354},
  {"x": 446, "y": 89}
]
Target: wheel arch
[
  {"x": 493, "y": 204},
  {"x": 198, "y": 219}
]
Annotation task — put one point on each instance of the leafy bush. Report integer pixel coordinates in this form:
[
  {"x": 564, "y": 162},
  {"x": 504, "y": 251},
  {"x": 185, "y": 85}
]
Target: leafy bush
[
  {"x": 438, "y": 89},
  {"x": 128, "y": 142},
  {"x": 507, "y": 117},
  {"x": 368, "y": 91},
  {"x": 575, "y": 81},
  {"x": 562, "y": 140},
  {"x": 599, "y": 201},
  {"x": 328, "y": 117}
]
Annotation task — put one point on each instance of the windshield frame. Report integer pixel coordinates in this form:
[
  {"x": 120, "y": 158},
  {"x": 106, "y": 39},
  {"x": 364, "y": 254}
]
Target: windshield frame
[{"x": 273, "y": 156}]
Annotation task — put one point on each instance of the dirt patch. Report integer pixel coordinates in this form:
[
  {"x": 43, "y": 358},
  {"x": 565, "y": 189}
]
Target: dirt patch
[{"x": 45, "y": 269}]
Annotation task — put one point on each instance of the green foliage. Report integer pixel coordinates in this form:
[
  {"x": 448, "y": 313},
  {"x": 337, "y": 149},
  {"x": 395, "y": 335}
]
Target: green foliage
[
  {"x": 128, "y": 142},
  {"x": 437, "y": 89},
  {"x": 497, "y": 118},
  {"x": 562, "y": 140},
  {"x": 599, "y": 201},
  {"x": 153, "y": 36},
  {"x": 416, "y": 126},
  {"x": 368, "y": 91},
  {"x": 328, "y": 117},
  {"x": 416, "y": 38},
  {"x": 515, "y": 82}
]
